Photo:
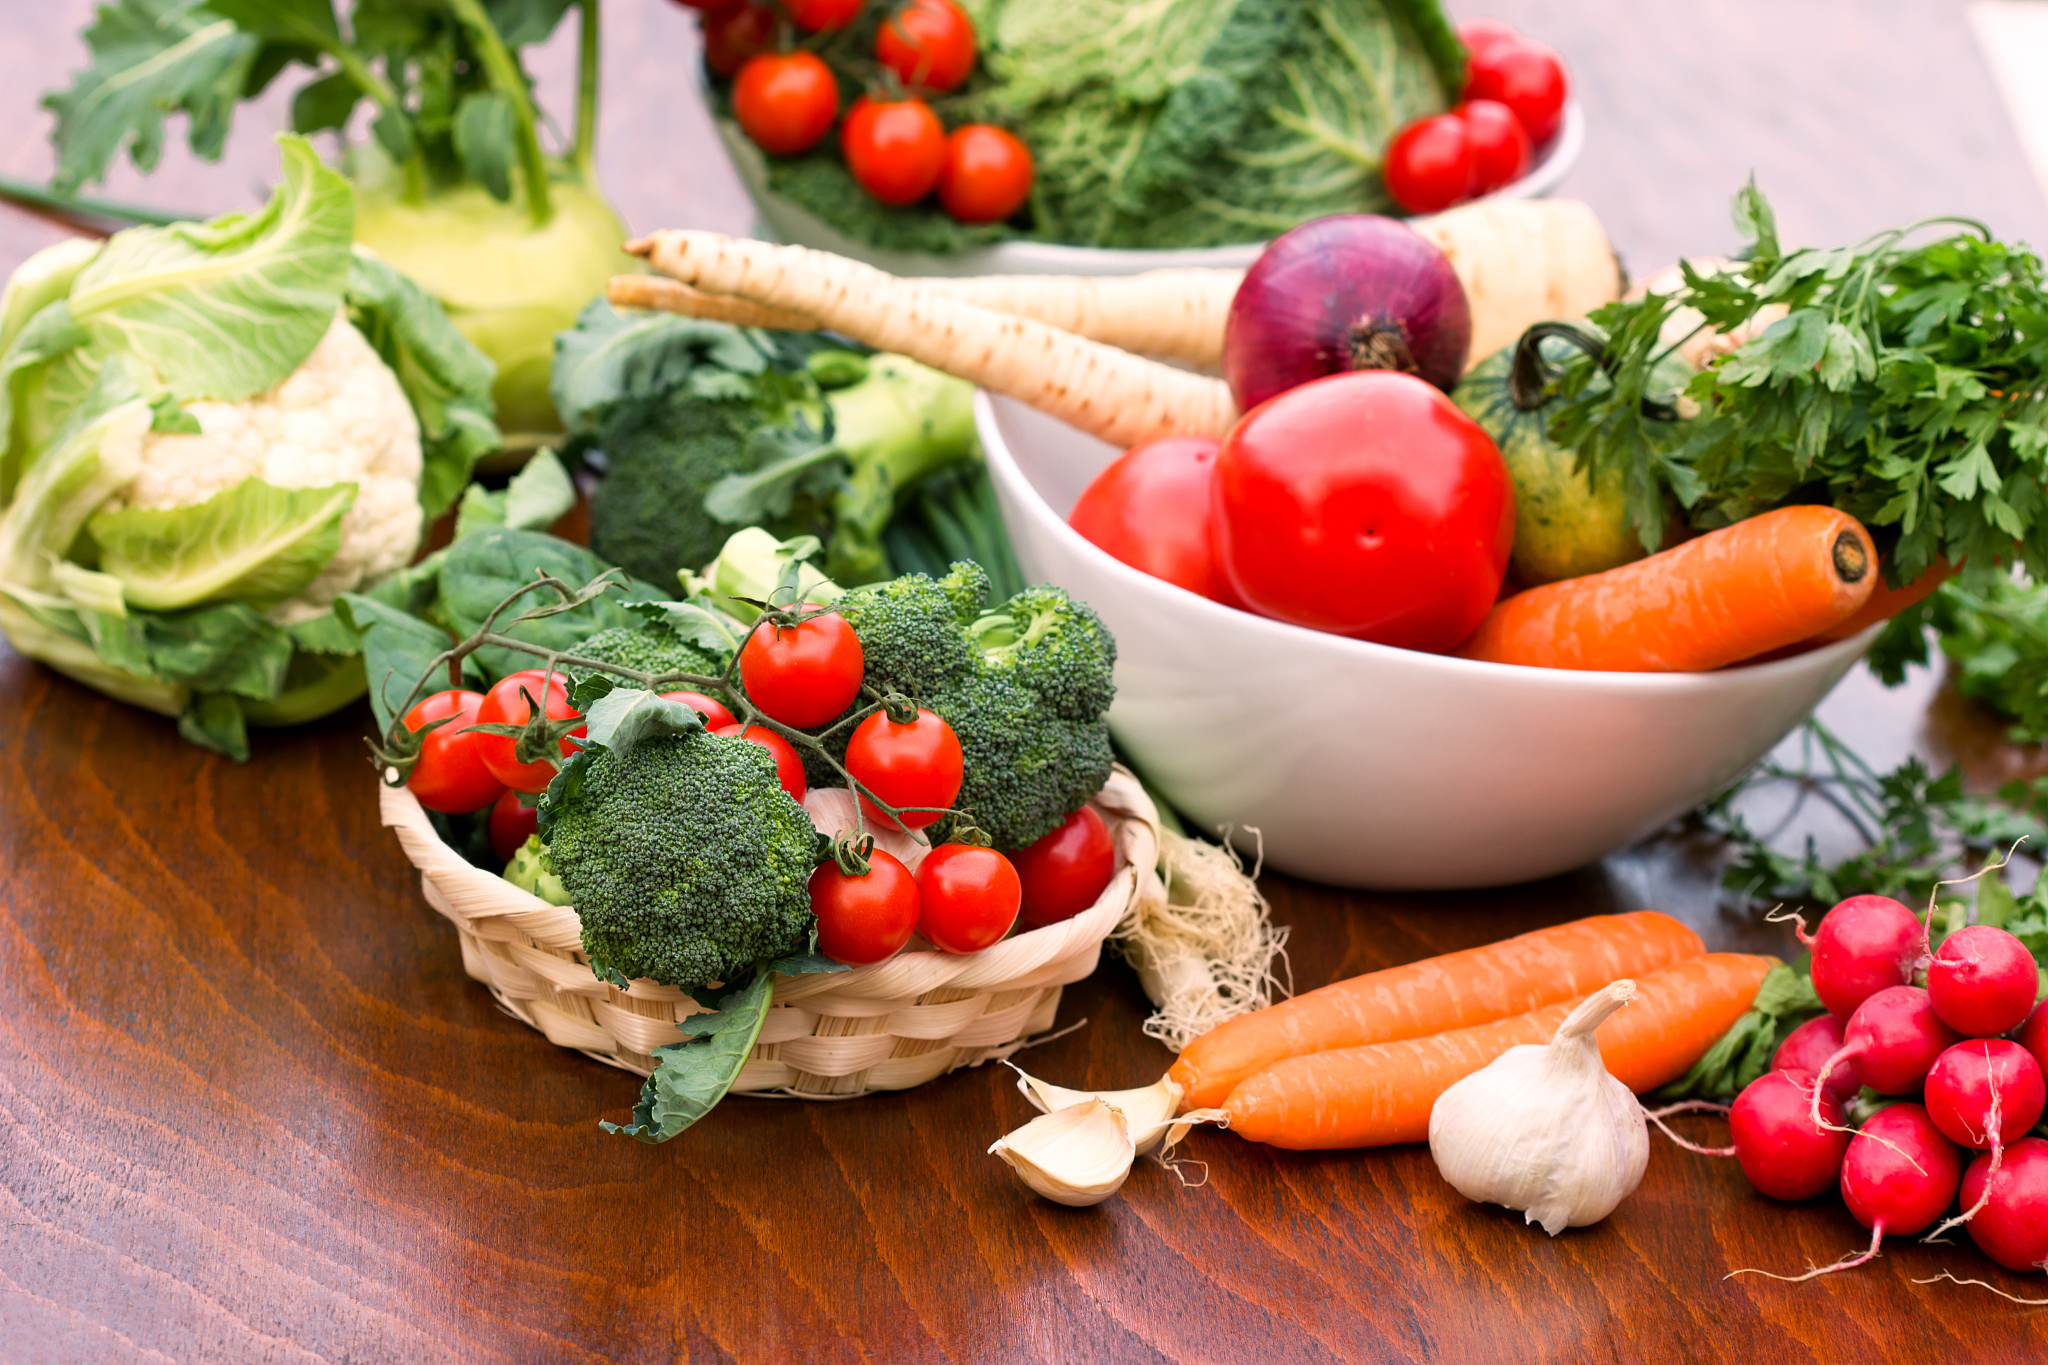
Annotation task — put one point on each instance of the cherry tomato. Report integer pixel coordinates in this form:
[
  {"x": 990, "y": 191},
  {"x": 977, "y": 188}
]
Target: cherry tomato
[
  {"x": 1152, "y": 508},
  {"x": 1428, "y": 165},
  {"x": 805, "y": 674},
  {"x": 1528, "y": 78},
  {"x": 815, "y": 16},
  {"x": 986, "y": 174},
  {"x": 450, "y": 776},
  {"x": 1065, "y": 872},
  {"x": 895, "y": 148},
  {"x": 732, "y": 35},
  {"x": 510, "y": 825},
  {"x": 864, "y": 919},
  {"x": 506, "y": 704},
  {"x": 929, "y": 44},
  {"x": 785, "y": 101},
  {"x": 789, "y": 765},
  {"x": 967, "y": 897},
  {"x": 714, "y": 711},
  {"x": 918, "y": 764},
  {"x": 1478, "y": 35},
  {"x": 1365, "y": 504},
  {"x": 1500, "y": 148}
]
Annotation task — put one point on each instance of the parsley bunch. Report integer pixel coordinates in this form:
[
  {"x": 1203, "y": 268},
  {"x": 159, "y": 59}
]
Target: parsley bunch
[{"x": 1904, "y": 384}]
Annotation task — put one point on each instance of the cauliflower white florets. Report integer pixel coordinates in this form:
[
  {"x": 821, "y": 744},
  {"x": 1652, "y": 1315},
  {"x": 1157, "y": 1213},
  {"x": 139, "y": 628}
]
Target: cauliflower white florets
[{"x": 341, "y": 417}]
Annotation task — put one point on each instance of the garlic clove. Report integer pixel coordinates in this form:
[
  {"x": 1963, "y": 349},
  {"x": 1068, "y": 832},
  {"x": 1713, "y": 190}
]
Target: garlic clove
[
  {"x": 1146, "y": 1109},
  {"x": 1078, "y": 1155}
]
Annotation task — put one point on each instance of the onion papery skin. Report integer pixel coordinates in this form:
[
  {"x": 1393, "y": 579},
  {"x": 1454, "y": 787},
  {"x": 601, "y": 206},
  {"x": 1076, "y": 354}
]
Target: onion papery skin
[{"x": 1353, "y": 291}]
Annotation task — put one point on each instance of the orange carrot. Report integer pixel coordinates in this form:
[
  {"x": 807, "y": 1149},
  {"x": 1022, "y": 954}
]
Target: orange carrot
[
  {"x": 1454, "y": 991},
  {"x": 1729, "y": 595},
  {"x": 1886, "y": 601},
  {"x": 1382, "y": 1093}
]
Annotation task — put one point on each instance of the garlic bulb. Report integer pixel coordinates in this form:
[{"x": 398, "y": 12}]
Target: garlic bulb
[
  {"x": 1545, "y": 1129},
  {"x": 1079, "y": 1155},
  {"x": 1145, "y": 1110}
]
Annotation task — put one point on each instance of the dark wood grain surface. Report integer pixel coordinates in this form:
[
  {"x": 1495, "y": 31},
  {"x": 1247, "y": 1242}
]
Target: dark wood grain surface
[{"x": 252, "y": 1110}]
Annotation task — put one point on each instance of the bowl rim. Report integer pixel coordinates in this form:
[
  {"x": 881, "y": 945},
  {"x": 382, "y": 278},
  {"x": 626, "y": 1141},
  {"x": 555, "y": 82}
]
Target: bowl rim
[{"x": 1004, "y": 468}]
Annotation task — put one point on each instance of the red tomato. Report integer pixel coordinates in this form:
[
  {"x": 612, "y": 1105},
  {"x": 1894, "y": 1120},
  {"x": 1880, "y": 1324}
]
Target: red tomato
[
  {"x": 1151, "y": 509},
  {"x": 1428, "y": 165},
  {"x": 864, "y": 919},
  {"x": 1478, "y": 35},
  {"x": 789, "y": 765},
  {"x": 732, "y": 35},
  {"x": 929, "y": 44},
  {"x": 967, "y": 897},
  {"x": 805, "y": 674},
  {"x": 815, "y": 16},
  {"x": 450, "y": 776},
  {"x": 895, "y": 148},
  {"x": 1066, "y": 872},
  {"x": 1500, "y": 149},
  {"x": 986, "y": 175},
  {"x": 918, "y": 764},
  {"x": 1528, "y": 78},
  {"x": 511, "y": 824},
  {"x": 785, "y": 101},
  {"x": 714, "y": 711},
  {"x": 1365, "y": 504},
  {"x": 506, "y": 704}
]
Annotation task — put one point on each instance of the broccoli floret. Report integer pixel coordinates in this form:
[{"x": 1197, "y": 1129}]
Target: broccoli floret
[
  {"x": 1025, "y": 770},
  {"x": 1055, "y": 646},
  {"x": 685, "y": 859},
  {"x": 914, "y": 631},
  {"x": 652, "y": 648}
]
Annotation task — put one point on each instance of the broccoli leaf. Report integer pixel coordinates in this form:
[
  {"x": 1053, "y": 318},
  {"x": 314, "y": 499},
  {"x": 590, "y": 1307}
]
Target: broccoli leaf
[
  {"x": 804, "y": 964},
  {"x": 696, "y": 622},
  {"x": 484, "y": 569},
  {"x": 227, "y": 308},
  {"x": 397, "y": 648},
  {"x": 624, "y": 716},
  {"x": 691, "y": 1077},
  {"x": 537, "y": 497},
  {"x": 610, "y": 357},
  {"x": 254, "y": 543},
  {"x": 446, "y": 378},
  {"x": 149, "y": 58}
]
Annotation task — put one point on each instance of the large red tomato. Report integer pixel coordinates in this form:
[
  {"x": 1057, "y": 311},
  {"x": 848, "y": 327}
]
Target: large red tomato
[
  {"x": 1367, "y": 505},
  {"x": 1151, "y": 510}
]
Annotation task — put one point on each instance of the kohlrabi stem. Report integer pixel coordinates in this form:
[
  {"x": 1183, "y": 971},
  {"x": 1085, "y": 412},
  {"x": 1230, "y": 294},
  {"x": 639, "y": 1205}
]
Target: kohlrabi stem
[
  {"x": 507, "y": 79},
  {"x": 586, "y": 94}
]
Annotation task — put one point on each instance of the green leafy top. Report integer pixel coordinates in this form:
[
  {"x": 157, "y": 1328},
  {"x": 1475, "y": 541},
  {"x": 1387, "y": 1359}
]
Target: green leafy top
[
  {"x": 1905, "y": 384},
  {"x": 451, "y": 101}
]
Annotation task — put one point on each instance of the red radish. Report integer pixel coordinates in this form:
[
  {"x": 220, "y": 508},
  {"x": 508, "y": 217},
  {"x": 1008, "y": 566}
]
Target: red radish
[
  {"x": 1782, "y": 1151},
  {"x": 2033, "y": 1036},
  {"x": 2011, "y": 1227},
  {"x": 1968, "y": 1079},
  {"x": 1897, "y": 1176},
  {"x": 1808, "y": 1047},
  {"x": 1891, "y": 1041},
  {"x": 1865, "y": 944},
  {"x": 1983, "y": 981}
]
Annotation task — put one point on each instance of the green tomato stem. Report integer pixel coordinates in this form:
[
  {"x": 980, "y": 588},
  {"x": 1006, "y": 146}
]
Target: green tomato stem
[{"x": 509, "y": 81}]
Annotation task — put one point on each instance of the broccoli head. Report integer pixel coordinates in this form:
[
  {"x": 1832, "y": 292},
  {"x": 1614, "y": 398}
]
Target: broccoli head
[
  {"x": 650, "y": 648},
  {"x": 685, "y": 859},
  {"x": 1024, "y": 687}
]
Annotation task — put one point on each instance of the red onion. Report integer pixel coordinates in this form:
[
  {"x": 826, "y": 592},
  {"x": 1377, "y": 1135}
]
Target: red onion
[{"x": 1353, "y": 291}]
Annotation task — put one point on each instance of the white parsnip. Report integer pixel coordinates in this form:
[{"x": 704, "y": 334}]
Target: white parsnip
[
  {"x": 1173, "y": 314},
  {"x": 1109, "y": 393},
  {"x": 673, "y": 296},
  {"x": 1522, "y": 262}
]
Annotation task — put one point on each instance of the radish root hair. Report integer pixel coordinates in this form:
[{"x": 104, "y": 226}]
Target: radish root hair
[
  {"x": 1995, "y": 1121},
  {"x": 1798, "y": 921},
  {"x": 1656, "y": 1116},
  {"x": 1201, "y": 936},
  {"x": 1982, "y": 1284},
  {"x": 1934, "y": 896},
  {"x": 1850, "y": 1260}
]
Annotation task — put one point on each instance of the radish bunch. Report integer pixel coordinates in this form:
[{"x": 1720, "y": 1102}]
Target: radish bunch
[{"x": 1979, "y": 1092}]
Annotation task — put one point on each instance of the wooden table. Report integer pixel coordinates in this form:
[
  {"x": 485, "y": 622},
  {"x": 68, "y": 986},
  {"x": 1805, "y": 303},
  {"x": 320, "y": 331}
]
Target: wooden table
[{"x": 254, "y": 1111}]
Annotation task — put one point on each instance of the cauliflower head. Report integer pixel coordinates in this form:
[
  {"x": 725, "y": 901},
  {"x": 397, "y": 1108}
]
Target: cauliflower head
[{"x": 341, "y": 417}]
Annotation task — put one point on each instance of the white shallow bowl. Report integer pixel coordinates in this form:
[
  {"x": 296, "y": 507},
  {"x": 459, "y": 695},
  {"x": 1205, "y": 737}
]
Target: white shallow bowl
[
  {"x": 1365, "y": 765},
  {"x": 786, "y": 222}
]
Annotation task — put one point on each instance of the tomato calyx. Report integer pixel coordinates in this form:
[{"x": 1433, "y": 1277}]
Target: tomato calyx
[
  {"x": 400, "y": 752},
  {"x": 854, "y": 854},
  {"x": 900, "y": 709},
  {"x": 539, "y": 738}
]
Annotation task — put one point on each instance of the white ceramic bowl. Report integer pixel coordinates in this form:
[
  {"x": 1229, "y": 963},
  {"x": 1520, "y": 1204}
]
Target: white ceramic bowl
[
  {"x": 786, "y": 222},
  {"x": 1364, "y": 765}
]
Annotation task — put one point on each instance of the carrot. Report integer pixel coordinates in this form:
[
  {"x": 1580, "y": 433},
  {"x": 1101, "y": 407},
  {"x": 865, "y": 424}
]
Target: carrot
[
  {"x": 1111, "y": 394},
  {"x": 1382, "y": 1093},
  {"x": 1717, "y": 599},
  {"x": 1886, "y": 601},
  {"x": 1454, "y": 991},
  {"x": 1520, "y": 261}
]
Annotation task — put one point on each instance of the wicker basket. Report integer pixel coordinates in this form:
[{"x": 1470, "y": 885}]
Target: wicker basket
[{"x": 889, "y": 1026}]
